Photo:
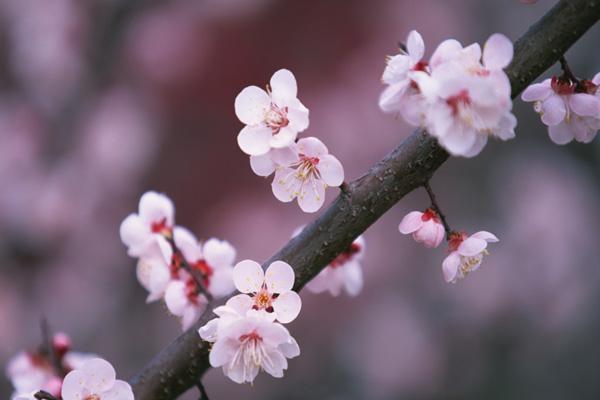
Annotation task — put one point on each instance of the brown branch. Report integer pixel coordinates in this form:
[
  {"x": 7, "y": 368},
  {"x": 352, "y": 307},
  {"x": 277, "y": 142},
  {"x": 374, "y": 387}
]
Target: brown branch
[{"x": 180, "y": 365}]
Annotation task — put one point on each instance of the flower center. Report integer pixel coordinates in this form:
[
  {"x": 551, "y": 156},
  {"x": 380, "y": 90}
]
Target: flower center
[
  {"x": 456, "y": 238},
  {"x": 276, "y": 118},
  {"x": 459, "y": 101},
  {"x": 345, "y": 256},
  {"x": 161, "y": 227},
  {"x": 263, "y": 300},
  {"x": 307, "y": 167},
  {"x": 430, "y": 214},
  {"x": 562, "y": 86},
  {"x": 92, "y": 397},
  {"x": 468, "y": 264},
  {"x": 251, "y": 349}
]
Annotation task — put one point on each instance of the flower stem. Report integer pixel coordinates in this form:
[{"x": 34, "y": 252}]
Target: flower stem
[
  {"x": 567, "y": 73},
  {"x": 437, "y": 209}
]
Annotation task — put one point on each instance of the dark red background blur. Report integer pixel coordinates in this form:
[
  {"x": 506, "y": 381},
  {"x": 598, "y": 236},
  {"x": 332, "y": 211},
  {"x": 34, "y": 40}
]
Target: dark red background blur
[{"x": 101, "y": 100}]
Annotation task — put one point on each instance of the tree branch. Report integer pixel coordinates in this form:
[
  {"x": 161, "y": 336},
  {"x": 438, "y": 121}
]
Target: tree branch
[{"x": 180, "y": 365}]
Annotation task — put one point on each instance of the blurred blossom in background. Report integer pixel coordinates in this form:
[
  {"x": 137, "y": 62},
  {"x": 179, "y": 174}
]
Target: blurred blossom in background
[{"x": 103, "y": 100}]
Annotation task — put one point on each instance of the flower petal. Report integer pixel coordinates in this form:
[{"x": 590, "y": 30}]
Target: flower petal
[
  {"x": 221, "y": 282},
  {"x": 447, "y": 50},
  {"x": 175, "y": 298},
  {"x": 221, "y": 353},
  {"x": 415, "y": 46},
  {"x": 287, "y": 306},
  {"x": 285, "y": 185},
  {"x": 497, "y": 52},
  {"x": 450, "y": 266},
  {"x": 284, "y": 138},
  {"x": 411, "y": 222},
  {"x": 248, "y": 276},
  {"x": 251, "y": 104},
  {"x": 241, "y": 303},
  {"x": 537, "y": 91},
  {"x": 553, "y": 110},
  {"x": 120, "y": 391},
  {"x": 311, "y": 147},
  {"x": 298, "y": 116},
  {"x": 353, "y": 278},
  {"x": 585, "y": 105},
  {"x": 290, "y": 349},
  {"x": 73, "y": 387},
  {"x": 155, "y": 207},
  {"x": 262, "y": 165},
  {"x": 279, "y": 277},
  {"x": 133, "y": 231},
  {"x": 485, "y": 235},
  {"x": 312, "y": 195},
  {"x": 331, "y": 170},
  {"x": 562, "y": 133},
  {"x": 391, "y": 98},
  {"x": 283, "y": 86},
  {"x": 254, "y": 139},
  {"x": 472, "y": 246},
  {"x": 274, "y": 363},
  {"x": 99, "y": 375},
  {"x": 187, "y": 243},
  {"x": 218, "y": 252}
]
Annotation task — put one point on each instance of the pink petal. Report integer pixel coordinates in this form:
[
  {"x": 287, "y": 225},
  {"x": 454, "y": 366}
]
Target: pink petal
[
  {"x": 73, "y": 387},
  {"x": 133, "y": 231},
  {"x": 485, "y": 235},
  {"x": 254, "y": 139},
  {"x": 391, "y": 98},
  {"x": 477, "y": 147},
  {"x": 562, "y": 133},
  {"x": 279, "y": 277},
  {"x": 585, "y": 105},
  {"x": 285, "y": 185},
  {"x": 155, "y": 207},
  {"x": 285, "y": 156},
  {"x": 415, "y": 46},
  {"x": 312, "y": 195},
  {"x": 320, "y": 283},
  {"x": 450, "y": 266},
  {"x": 120, "y": 391},
  {"x": 331, "y": 170},
  {"x": 283, "y": 86},
  {"x": 553, "y": 110},
  {"x": 262, "y": 165},
  {"x": 221, "y": 353},
  {"x": 472, "y": 246},
  {"x": 290, "y": 349},
  {"x": 276, "y": 363},
  {"x": 472, "y": 53},
  {"x": 353, "y": 278},
  {"x": 287, "y": 306},
  {"x": 497, "y": 52},
  {"x": 312, "y": 147},
  {"x": 99, "y": 375},
  {"x": 218, "y": 252},
  {"x": 187, "y": 243},
  {"x": 251, "y": 104},
  {"x": 175, "y": 298},
  {"x": 298, "y": 116},
  {"x": 446, "y": 50},
  {"x": 221, "y": 282},
  {"x": 284, "y": 138},
  {"x": 248, "y": 276},
  {"x": 537, "y": 91},
  {"x": 411, "y": 222},
  {"x": 459, "y": 141},
  {"x": 241, "y": 303}
]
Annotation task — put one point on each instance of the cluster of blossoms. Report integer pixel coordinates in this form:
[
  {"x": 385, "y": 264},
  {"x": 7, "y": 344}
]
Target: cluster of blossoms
[
  {"x": 273, "y": 118},
  {"x": 461, "y": 95},
  {"x": 172, "y": 264},
  {"x": 568, "y": 106},
  {"x": 248, "y": 334},
  {"x": 465, "y": 252},
  {"x": 64, "y": 374}
]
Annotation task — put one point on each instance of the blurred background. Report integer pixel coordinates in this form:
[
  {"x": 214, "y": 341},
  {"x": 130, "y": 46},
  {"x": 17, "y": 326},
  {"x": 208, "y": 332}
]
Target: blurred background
[{"x": 101, "y": 100}]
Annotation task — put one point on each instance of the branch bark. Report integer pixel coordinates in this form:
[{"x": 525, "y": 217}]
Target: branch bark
[{"x": 411, "y": 164}]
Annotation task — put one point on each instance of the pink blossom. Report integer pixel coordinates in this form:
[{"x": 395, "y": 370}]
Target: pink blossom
[
  {"x": 466, "y": 254},
  {"x": 570, "y": 110},
  {"x": 305, "y": 173},
  {"x": 426, "y": 227},
  {"x": 251, "y": 343},
  {"x": 344, "y": 272},
  {"x": 271, "y": 291},
  {"x": 145, "y": 233},
  {"x": 184, "y": 300},
  {"x": 273, "y": 118},
  {"x": 96, "y": 380}
]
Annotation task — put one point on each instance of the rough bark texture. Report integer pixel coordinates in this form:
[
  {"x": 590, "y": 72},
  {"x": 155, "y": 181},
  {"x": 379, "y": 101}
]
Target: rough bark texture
[{"x": 181, "y": 364}]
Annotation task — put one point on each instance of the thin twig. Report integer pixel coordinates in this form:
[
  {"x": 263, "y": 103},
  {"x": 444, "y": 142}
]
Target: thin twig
[
  {"x": 203, "y": 395},
  {"x": 196, "y": 275},
  {"x": 43, "y": 395},
  {"x": 48, "y": 347},
  {"x": 567, "y": 73},
  {"x": 437, "y": 209}
]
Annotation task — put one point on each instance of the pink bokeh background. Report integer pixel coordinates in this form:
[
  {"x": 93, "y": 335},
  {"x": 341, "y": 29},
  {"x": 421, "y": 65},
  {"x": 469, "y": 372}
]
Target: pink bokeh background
[{"x": 103, "y": 100}]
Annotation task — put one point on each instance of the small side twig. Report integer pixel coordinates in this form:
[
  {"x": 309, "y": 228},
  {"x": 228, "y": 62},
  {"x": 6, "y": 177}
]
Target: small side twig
[
  {"x": 437, "y": 209},
  {"x": 567, "y": 73},
  {"x": 48, "y": 349},
  {"x": 198, "y": 277},
  {"x": 203, "y": 395}
]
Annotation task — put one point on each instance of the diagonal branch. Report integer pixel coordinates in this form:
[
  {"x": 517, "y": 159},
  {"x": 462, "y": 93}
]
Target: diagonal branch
[{"x": 180, "y": 365}]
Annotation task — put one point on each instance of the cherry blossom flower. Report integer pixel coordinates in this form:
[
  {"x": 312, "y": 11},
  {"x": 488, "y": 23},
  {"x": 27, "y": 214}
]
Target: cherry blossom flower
[
  {"x": 95, "y": 380},
  {"x": 145, "y": 233},
  {"x": 273, "y": 118},
  {"x": 570, "y": 110},
  {"x": 344, "y": 272},
  {"x": 307, "y": 174},
  {"x": 426, "y": 227},
  {"x": 402, "y": 93},
  {"x": 34, "y": 371},
  {"x": 184, "y": 300},
  {"x": 251, "y": 343},
  {"x": 270, "y": 291},
  {"x": 235, "y": 308},
  {"x": 154, "y": 275},
  {"x": 466, "y": 254}
]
